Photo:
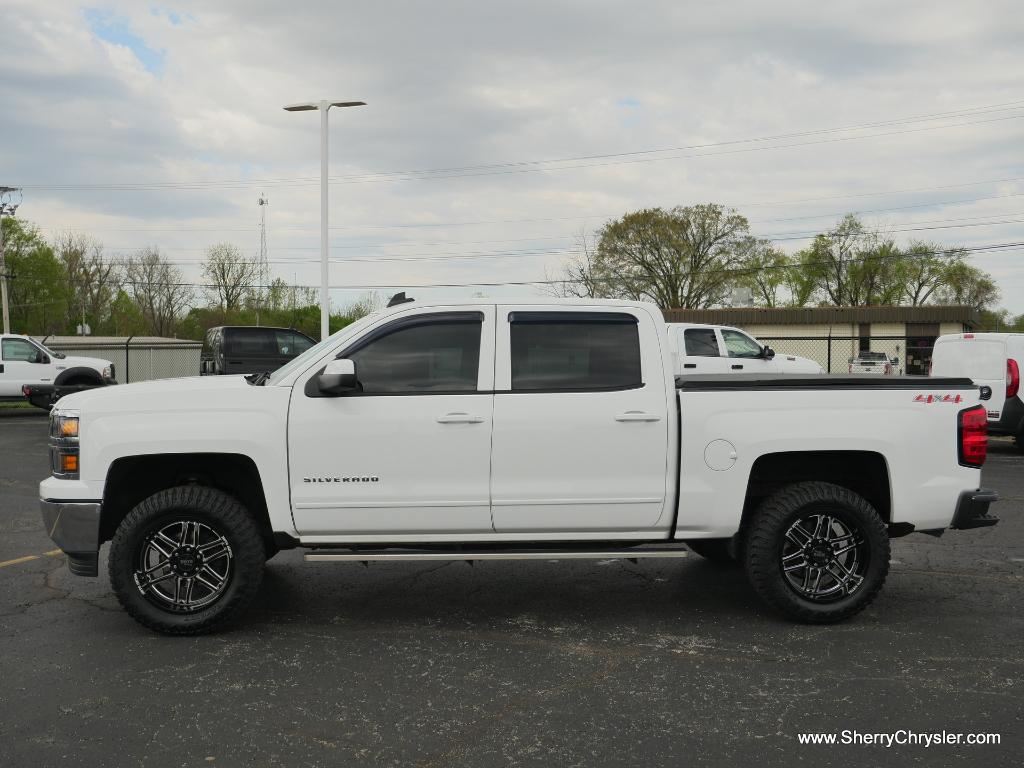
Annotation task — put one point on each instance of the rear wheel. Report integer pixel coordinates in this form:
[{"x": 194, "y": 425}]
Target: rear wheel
[
  {"x": 186, "y": 559},
  {"x": 817, "y": 552}
]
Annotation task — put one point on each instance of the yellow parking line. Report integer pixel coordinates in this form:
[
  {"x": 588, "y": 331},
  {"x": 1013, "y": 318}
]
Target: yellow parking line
[
  {"x": 17, "y": 560},
  {"x": 54, "y": 552}
]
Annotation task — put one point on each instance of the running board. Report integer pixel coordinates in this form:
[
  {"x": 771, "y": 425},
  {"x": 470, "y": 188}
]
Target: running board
[{"x": 366, "y": 555}]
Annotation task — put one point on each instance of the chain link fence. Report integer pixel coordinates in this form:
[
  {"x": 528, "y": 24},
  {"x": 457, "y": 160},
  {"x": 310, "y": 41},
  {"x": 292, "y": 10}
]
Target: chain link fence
[
  {"x": 833, "y": 353},
  {"x": 136, "y": 359}
]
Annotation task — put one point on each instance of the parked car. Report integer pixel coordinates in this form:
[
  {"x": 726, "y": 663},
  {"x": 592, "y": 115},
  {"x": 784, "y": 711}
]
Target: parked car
[
  {"x": 233, "y": 349},
  {"x": 30, "y": 370},
  {"x": 474, "y": 430},
  {"x": 877, "y": 363},
  {"x": 994, "y": 360},
  {"x": 723, "y": 349}
]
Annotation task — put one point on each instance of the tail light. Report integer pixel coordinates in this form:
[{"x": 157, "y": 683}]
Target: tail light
[
  {"x": 1012, "y": 378},
  {"x": 888, "y": 369},
  {"x": 850, "y": 369},
  {"x": 972, "y": 434}
]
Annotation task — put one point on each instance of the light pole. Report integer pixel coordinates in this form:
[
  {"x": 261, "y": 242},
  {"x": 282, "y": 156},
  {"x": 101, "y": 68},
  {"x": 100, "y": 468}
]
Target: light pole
[{"x": 324, "y": 107}]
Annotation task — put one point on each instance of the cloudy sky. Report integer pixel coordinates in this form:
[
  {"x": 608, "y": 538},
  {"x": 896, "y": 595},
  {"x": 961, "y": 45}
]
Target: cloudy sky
[{"x": 496, "y": 133}]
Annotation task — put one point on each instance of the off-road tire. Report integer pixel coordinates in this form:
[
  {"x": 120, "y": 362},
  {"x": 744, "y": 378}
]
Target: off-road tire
[
  {"x": 766, "y": 534},
  {"x": 209, "y": 507}
]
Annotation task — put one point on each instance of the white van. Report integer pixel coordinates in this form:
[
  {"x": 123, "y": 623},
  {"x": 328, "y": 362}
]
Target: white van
[
  {"x": 724, "y": 349},
  {"x": 992, "y": 359}
]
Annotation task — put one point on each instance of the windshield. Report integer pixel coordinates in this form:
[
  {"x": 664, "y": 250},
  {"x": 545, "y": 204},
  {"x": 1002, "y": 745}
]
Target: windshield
[{"x": 311, "y": 354}]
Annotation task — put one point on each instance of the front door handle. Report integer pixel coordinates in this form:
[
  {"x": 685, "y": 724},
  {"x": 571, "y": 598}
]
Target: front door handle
[
  {"x": 459, "y": 418},
  {"x": 637, "y": 416},
  {"x": 738, "y": 367}
]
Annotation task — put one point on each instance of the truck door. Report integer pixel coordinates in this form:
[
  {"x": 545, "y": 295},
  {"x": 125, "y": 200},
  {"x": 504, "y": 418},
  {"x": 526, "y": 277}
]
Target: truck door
[
  {"x": 580, "y": 438},
  {"x": 21, "y": 363},
  {"x": 700, "y": 352},
  {"x": 745, "y": 355},
  {"x": 410, "y": 453}
]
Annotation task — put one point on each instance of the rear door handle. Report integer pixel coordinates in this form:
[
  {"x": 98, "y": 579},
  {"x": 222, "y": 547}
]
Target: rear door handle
[
  {"x": 737, "y": 367},
  {"x": 459, "y": 418},
  {"x": 637, "y": 416}
]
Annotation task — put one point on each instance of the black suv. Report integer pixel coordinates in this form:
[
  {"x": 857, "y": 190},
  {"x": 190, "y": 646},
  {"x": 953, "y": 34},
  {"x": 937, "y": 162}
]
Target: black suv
[{"x": 231, "y": 349}]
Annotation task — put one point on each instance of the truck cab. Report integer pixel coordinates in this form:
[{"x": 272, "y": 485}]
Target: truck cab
[{"x": 698, "y": 349}]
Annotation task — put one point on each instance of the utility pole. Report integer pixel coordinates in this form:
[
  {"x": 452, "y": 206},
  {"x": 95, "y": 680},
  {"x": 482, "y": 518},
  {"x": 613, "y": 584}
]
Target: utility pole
[{"x": 7, "y": 208}]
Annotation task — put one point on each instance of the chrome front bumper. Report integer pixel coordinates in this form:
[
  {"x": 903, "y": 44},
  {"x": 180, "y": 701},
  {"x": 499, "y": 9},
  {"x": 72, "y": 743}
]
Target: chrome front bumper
[{"x": 74, "y": 526}]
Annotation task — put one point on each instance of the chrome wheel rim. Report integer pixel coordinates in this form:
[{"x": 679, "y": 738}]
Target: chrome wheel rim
[
  {"x": 184, "y": 566},
  {"x": 824, "y": 558}
]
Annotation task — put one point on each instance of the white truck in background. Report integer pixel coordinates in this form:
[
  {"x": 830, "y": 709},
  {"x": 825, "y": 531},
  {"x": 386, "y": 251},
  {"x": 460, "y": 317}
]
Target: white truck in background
[
  {"x": 28, "y": 370},
  {"x": 993, "y": 360},
  {"x": 874, "y": 364},
  {"x": 482, "y": 430},
  {"x": 698, "y": 349}
]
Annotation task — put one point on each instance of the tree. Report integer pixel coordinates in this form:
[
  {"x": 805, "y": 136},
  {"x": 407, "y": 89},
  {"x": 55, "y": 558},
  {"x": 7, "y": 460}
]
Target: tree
[
  {"x": 36, "y": 290},
  {"x": 124, "y": 319},
  {"x": 924, "y": 270},
  {"x": 967, "y": 285},
  {"x": 158, "y": 289},
  {"x": 676, "y": 258},
  {"x": 230, "y": 275},
  {"x": 829, "y": 259},
  {"x": 763, "y": 269},
  {"x": 92, "y": 280}
]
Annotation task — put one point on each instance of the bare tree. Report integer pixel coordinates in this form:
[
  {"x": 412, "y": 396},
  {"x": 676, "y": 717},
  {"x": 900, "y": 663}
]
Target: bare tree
[
  {"x": 92, "y": 280},
  {"x": 925, "y": 269},
  {"x": 158, "y": 289},
  {"x": 229, "y": 275}
]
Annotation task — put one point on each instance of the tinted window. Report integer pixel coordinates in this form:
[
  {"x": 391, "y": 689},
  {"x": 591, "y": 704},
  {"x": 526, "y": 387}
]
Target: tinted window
[
  {"x": 19, "y": 349},
  {"x": 251, "y": 342},
  {"x": 574, "y": 350},
  {"x": 740, "y": 345},
  {"x": 431, "y": 356},
  {"x": 701, "y": 342}
]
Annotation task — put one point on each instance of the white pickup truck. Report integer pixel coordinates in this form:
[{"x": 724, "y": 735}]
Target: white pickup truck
[
  {"x": 30, "y": 370},
  {"x": 549, "y": 429}
]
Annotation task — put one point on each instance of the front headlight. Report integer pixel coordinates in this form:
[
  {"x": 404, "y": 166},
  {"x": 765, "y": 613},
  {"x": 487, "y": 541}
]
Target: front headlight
[{"x": 64, "y": 450}]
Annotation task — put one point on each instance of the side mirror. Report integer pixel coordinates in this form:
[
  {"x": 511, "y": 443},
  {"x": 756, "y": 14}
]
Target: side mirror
[
  {"x": 338, "y": 378},
  {"x": 42, "y": 358},
  {"x": 767, "y": 353}
]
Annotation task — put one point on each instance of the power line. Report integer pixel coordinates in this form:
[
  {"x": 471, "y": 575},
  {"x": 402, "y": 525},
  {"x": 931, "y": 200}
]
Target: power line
[{"x": 583, "y": 161}]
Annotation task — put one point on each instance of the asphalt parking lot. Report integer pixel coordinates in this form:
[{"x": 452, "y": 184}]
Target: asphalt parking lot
[{"x": 531, "y": 663}]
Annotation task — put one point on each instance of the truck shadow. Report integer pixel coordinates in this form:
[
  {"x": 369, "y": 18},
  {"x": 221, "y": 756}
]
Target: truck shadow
[{"x": 506, "y": 594}]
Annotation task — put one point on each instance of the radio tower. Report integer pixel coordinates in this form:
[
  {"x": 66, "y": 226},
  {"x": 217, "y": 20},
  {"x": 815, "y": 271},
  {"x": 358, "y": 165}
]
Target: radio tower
[{"x": 262, "y": 258}]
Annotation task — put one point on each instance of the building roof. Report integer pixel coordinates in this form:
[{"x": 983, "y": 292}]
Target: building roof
[
  {"x": 114, "y": 341},
  {"x": 968, "y": 316}
]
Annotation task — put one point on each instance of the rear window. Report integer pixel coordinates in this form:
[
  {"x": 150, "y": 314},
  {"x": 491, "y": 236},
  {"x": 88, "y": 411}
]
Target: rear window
[
  {"x": 701, "y": 342},
  {"x": 973, "y": 358},
  {"x": 872, "y": 356},
  {"x": 264, "y": 342},
  {"x": 574, "y": 351}
]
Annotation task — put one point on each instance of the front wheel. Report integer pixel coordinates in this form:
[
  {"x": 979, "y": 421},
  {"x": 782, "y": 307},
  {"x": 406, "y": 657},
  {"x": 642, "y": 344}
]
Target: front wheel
[
  {"x": 817, "y": 552},
  {"x": 186, "y": 559}
]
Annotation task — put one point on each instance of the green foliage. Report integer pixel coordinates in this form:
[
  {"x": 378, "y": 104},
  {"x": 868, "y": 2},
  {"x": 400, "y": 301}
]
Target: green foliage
[{"x": 37, "y": 292}]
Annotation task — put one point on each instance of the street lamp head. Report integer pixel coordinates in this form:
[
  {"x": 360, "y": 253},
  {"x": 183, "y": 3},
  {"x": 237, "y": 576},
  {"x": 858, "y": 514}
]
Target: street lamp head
[{"x": 311, "y": 105}]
